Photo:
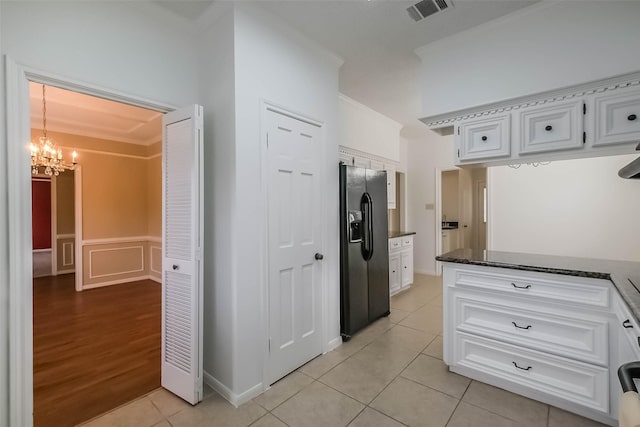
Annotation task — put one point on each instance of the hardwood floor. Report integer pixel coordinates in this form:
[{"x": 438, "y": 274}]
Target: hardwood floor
[{"x": 92, "y": 350}]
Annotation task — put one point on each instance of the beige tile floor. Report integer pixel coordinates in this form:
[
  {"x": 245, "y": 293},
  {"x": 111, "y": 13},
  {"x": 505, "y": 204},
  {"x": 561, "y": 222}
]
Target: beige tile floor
[{"x": 389, "y": 374}]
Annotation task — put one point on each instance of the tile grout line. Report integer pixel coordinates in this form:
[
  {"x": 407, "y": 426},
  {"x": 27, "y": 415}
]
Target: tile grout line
[{"x": 457, "y": 404}]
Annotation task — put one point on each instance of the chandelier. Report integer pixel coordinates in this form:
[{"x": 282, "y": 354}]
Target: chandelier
[{"x": 45, "y": 154}]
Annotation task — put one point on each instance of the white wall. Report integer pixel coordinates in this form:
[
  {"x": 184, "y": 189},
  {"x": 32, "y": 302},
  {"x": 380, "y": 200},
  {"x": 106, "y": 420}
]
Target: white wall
[
  {"x": 217, "y": 81},
  {"x": 276, "y": 64},
  {"x": 573, "y": 208},
  {"x": 423, "y": 157},
  {"x": 364, "y": 129},
  {"x": 141, "y": 56},
  {"x": 546, "y": 46},
  {"x": 4, "y": 264}
]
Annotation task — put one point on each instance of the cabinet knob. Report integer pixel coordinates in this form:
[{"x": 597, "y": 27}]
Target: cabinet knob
[
  {"x": 393, "y": 271},
  {"x": 632, "y": 117},
  {"x": 319, "y": 256},
  {"x": 175, "y": 267},
  {"x": 548, "y": 128},
  {"x": 484, "y": 138}
]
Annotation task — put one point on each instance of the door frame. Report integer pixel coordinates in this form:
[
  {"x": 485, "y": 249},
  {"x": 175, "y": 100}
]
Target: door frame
[
  {"x": 438, "y": 208},
  {"x": 20, "y": 297},
  {"x": 265, "y": 107}
]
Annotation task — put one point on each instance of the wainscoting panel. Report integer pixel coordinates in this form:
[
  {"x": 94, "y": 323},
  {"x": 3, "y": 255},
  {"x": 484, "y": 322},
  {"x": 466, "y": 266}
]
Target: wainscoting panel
[
  {"x": 65, "y": 252},
  {"x": 120, "y": 260}
]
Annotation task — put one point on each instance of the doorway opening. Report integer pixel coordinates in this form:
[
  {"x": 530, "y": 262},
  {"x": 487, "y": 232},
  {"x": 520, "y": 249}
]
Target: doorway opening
[
  {"x": 461, "y": 213},
  {"x": 97, "y": 306}
]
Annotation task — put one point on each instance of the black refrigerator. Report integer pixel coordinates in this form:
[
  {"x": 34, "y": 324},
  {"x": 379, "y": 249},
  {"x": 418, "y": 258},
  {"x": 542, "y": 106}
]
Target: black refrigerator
[{"x": 364, "y": 250}]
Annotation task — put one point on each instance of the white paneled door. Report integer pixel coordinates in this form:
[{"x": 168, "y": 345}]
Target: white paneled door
[
  {"x": 294, "y": 242},
  {"x": 182, "y": 246}
]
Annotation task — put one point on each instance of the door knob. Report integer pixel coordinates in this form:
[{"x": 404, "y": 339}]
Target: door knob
[{"x": 319, "y": 256}]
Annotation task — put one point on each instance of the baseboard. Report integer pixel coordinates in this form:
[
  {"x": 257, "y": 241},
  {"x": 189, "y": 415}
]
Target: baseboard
[
  {"x": 156, "y": 279},
  {"x": 224, "y": 391},
  {"x": 59, "y": 272},
  {"x": 334, "y": 343},
  {"x": 116, "y": 282}
]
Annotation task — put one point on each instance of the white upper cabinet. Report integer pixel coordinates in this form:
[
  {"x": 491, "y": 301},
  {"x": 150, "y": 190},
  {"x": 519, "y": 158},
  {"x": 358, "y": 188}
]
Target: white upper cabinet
[
  {"x": 588, "y": 120},
  {"x": 391, "y": 185},
  {"x": 558, "y": 126},
  {"x": 617, "y": 118},
  {"x": 484, "y": 138}
]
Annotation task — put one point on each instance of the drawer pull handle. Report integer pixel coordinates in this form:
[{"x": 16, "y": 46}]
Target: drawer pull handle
[
  {"x": 520, "y": 287},
  {"x": 528, "y": 368},
  {"x": 548, "y": 128},
  {"x": 627, "y": 324},
  {"x": 484, "y": 138},
  {"x": 632, "y": 117},
  {"x": 521, "y": 327}
]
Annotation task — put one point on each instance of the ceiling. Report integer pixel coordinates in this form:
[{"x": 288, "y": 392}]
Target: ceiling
[
  {"x": 377, "y": 40},
  {"x": 79, "y": 114}
]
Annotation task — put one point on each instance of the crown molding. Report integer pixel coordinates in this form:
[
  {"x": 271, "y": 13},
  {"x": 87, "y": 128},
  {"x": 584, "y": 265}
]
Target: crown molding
[{"x": 569, "y": 92}]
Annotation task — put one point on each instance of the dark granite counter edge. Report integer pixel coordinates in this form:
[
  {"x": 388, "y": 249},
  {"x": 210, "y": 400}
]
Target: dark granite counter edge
[
  {"x": 552, "y": 270},
  {"x": 394, "y": 234},
  {"x": 630, "y": 295}
]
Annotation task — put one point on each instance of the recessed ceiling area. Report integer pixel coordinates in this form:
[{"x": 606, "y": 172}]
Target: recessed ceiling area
[{"x": 85, "y": 115}]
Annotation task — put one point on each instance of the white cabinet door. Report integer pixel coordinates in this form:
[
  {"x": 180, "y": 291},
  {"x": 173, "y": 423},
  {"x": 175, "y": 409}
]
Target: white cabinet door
[
  {"x": 406, "y": 260},
  {"x": 346, "y": 159},
  {"x": 361, "y": 162},
  {"x": 484, "y": 138},
  {"x": 391, "y": 187},
  {"x": 617, "y": 118},
  {"x": 182, "y": 220},
  {"x": 376, "y": 165},
  {"x": 446, "y": 241},
  {"x": 394, "y": 273},
  {"x": 554, "y": 127}
]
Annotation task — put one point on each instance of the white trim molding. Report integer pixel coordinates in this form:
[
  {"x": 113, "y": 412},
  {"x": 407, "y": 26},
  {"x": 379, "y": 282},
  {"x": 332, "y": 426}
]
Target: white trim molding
[
  {"x": 152, "y": 258},
  {"x": 66, "y": 245},
  {"x": 597, "y": 86},
  {"x": 131, "y": 239},
  {"x": 117, "y": 282},
  {"x": 233, "y": 398},
  {"x": 92, "y": 251}
]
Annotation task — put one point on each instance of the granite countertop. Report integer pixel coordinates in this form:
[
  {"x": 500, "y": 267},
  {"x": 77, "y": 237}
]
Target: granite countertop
[
  {"x": 623, "y": 274},
  {"x": 394, "y": 234}
]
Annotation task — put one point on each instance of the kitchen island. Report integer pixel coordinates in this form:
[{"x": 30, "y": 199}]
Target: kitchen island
[{"x": 551, "y": 328}]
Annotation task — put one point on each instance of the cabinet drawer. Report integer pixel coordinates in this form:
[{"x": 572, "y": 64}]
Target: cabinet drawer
[
  {"x": 576, "y": 291},
  {"x": 407, "y": 241},
  {"x": 581, "y": 383},
  {"x": 395, "y": 243},
  {"x": 485, "y": 138},
  {"x": 617, "y": 118},
  {"x": 552, "y": 127},
  {"x": 580, "y": 336}
]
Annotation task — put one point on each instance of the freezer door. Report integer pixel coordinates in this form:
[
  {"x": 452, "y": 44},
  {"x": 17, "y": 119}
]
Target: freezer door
[
  {"x": 378, "y": 265},
  {"x": 354, "y": 293}
]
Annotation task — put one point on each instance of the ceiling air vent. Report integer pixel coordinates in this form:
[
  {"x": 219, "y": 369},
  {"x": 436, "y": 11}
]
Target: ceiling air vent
[{"x": 425, "y": 8}]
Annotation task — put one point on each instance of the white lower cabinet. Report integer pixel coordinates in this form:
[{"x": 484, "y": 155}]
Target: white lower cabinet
[
  {"x": 554, "y": 338},
  {"x": 400, "y": 263},
  {"x": 394, "y": 273}
]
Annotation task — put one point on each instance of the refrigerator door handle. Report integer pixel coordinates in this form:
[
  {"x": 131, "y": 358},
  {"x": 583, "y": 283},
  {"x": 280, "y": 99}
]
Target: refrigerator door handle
[{"x": 367, "y": 242}]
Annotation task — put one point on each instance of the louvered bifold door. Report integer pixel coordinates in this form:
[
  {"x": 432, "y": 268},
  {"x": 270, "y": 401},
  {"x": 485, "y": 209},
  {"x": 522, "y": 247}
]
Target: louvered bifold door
[{"x": 181, "y": 246}]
